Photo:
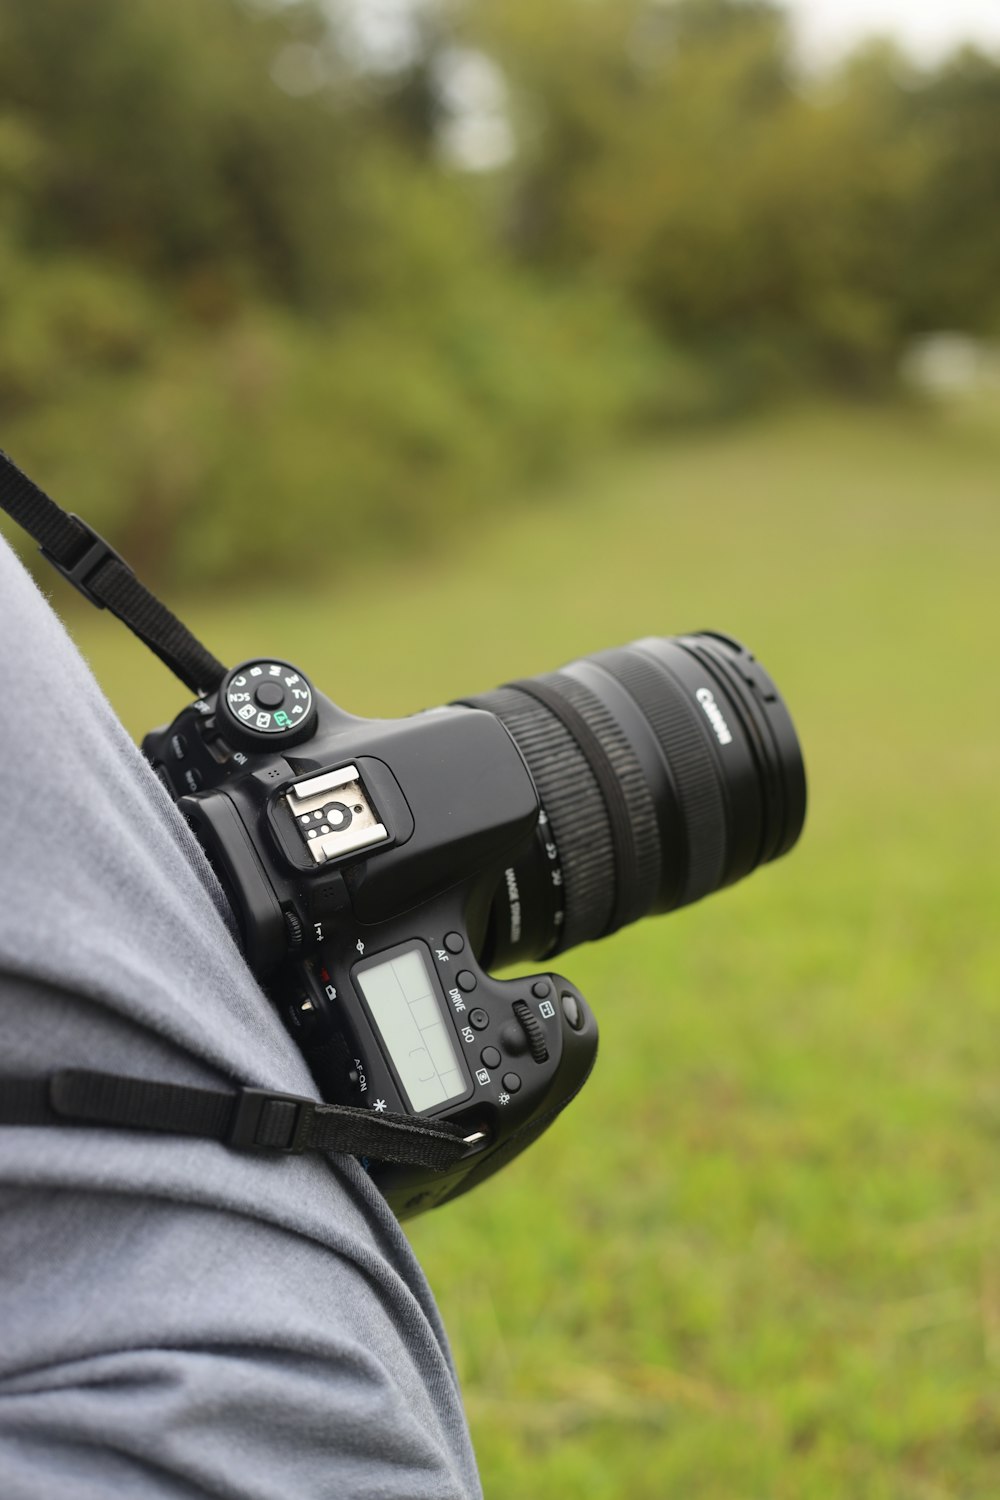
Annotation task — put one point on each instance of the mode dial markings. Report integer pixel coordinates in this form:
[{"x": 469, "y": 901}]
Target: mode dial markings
[{"x": 268, "y": 697}]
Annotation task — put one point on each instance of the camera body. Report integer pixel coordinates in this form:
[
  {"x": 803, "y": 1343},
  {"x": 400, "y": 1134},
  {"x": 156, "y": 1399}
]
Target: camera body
[
  {"x": 380, "y": 869},
  {"x": 362, "y": 860}
]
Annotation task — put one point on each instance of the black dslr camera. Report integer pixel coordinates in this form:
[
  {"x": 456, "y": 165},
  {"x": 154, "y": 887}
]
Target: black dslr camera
[{"x": 380, "y": 870}]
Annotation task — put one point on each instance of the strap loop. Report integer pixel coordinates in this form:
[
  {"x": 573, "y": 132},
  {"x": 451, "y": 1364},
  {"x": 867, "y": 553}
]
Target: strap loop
[
  {"x": 96, "y": 552},
  {"x": 93, "y": 567},
  {"x": 272, "y": 1122},
  {"x": 245, "y": 1119}
]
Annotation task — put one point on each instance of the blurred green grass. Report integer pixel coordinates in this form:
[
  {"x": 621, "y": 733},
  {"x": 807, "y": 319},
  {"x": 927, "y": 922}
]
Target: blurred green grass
[{"x": 759, "y": 1258}]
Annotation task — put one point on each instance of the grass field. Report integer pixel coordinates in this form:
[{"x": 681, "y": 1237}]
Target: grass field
[{"x": 759, "y": 1258}]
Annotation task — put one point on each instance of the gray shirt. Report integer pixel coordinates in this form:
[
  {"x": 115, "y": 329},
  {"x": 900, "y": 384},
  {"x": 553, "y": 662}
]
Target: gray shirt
[{"x": 176, "y": 1319}]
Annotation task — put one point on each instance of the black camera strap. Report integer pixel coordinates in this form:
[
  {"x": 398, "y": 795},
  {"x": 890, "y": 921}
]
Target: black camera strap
[
  {"x": 93, "y": 566},
  {"x": 245, "y": 1119}
]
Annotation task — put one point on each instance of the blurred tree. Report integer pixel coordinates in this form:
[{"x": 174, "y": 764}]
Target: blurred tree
[
  {"x": 242, "y": 261},
  {"x": 951, "y": 277},
  {"x": 675, "y": 147},
  {"x": 162, "y": 145}
]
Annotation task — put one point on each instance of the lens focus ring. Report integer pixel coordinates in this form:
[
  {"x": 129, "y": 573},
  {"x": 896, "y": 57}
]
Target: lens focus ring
[
  {"x": 697, "y": 781},
  {"x": 572, "y": 801},
  {"x": 595, "y": 795},
  {"x": 628, "y": 803}
]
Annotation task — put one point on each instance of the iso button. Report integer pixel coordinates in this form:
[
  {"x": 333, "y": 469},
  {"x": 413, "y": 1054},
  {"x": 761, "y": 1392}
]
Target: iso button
[{"x": 266, "y": 704}]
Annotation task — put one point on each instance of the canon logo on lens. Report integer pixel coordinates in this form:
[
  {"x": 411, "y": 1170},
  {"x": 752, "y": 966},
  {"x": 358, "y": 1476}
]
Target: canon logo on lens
[{"x": 713, "y": 713}]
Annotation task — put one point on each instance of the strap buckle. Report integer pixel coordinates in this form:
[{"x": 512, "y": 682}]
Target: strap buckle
[
  {"x": 95, "y": 554},
  {"x": 265, "y": 1121}
]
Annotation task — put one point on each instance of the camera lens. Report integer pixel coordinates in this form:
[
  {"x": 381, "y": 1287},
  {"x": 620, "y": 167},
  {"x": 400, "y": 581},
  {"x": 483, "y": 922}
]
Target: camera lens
[{"x": 665, "y": 770}]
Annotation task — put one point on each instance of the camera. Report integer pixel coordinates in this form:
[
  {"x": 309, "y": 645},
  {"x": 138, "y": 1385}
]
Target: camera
[{"x": 380, "y": 871}]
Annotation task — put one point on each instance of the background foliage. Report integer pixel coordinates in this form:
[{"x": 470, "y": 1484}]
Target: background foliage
[{"x": 233, "y": 292}]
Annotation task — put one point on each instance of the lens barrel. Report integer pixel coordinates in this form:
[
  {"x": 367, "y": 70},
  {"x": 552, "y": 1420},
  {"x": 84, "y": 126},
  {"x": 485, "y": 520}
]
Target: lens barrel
[{"x": 665, "y": 770}]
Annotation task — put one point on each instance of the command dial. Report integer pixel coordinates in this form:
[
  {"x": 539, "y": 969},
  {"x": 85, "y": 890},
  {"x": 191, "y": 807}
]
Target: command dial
[{"x": 265, "y": 702}]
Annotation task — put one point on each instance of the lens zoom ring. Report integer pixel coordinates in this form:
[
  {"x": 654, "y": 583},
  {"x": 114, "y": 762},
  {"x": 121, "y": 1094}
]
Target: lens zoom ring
[
  {"x": 645, "y": 837},
  {"x": 575, "y": 807},
  {"x": 691, "y": 761}
]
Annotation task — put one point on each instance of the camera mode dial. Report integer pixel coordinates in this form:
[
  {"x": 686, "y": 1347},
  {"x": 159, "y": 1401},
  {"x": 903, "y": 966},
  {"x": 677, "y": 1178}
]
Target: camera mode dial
[{"x": 266, "y": 703}]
